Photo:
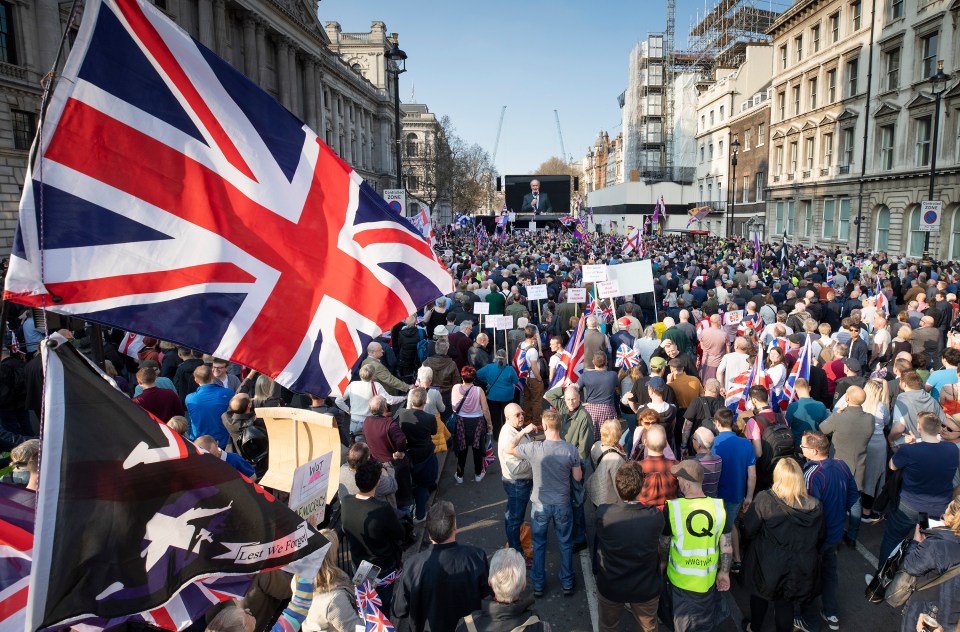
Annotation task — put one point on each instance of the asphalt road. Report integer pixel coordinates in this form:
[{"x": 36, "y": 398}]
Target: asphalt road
[{"x": 480, "y": 523}]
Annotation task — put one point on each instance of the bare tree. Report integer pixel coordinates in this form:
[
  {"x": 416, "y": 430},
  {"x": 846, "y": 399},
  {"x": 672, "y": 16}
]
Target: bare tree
[
  {"x": 463, "y": 172},
  {"x": 555, "y": 166}
]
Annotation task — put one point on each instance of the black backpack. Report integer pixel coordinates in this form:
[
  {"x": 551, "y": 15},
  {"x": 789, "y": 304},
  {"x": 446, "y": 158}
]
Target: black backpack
[{"x": 777, "y": 443}]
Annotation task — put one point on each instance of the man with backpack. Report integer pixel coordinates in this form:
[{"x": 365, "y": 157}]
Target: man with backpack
[
  {"x": 409, "y": 338},
  {"x": 768, "y": 431}
]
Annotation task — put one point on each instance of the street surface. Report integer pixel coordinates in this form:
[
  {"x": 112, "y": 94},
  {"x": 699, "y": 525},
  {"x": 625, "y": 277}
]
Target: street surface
[{"x": 480, "y": 523}]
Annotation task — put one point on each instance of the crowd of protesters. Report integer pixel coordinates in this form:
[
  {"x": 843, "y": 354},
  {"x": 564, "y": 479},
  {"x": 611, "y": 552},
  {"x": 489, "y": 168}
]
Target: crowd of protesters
[{"x": 687, "y": 493}]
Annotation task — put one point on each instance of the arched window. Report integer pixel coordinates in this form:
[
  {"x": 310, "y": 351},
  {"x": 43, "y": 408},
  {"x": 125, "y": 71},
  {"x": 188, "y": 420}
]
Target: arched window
[
  {"x": 955, "y": 235},
  {"x": 915, "y": 242},
  {"x": 357, "y": 69},
  {"x": 411, "y": 145},
  {"x": 881, "y": 241}
]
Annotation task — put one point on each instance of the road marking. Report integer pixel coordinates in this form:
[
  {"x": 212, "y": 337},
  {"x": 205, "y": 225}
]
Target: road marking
[
  {"x": 867, "y": 555},
  {"x": 590, "y": 586}
]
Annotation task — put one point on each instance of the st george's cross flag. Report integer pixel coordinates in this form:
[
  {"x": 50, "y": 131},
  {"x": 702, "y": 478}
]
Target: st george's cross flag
[
  {"x": 129, "y": 513},
  {"x": 632, "y": 243},
  {"x": 181, "y": 201}
]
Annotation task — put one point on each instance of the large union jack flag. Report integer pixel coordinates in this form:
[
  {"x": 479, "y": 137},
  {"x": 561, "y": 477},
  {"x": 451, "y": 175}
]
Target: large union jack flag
[
  {"x": 181, "y": 201},
  {"x": 570, "y": 367}
]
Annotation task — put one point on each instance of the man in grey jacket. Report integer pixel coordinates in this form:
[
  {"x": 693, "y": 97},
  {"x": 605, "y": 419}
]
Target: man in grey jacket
[{"x": 912, "y": 400}]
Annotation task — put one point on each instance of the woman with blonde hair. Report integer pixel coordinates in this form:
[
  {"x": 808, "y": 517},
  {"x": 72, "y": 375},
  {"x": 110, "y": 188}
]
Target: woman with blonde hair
[
  {"x": 776, "y": 370},
  {"x": 785, "y": 527},
  {"x": 607, "y": 456},
  {"x": 333, "y": 608},
  {"x": 875, "y": 475}
]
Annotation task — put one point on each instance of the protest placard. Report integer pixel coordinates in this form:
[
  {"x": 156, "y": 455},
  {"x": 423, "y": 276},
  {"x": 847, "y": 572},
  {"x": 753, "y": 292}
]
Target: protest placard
[
  {"x": 481, "y": 308},
  {"x": 309, "y": 490},
  {"x": 608, "y": 289},
  {"x": 594, "y": 273},
  {"x": 537, "y": 292},
  {"x": 577, "y": 295}
]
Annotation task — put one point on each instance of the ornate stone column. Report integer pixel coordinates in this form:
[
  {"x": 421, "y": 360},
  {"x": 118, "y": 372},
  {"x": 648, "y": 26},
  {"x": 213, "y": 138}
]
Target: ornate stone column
[
  {"x": 310, "y": 98},
  {"x": 251, "y": 67},
  {"x": 205, "y": 23},
  {"x": 283, "y": 71},
  {"x": 220, "y": 27}
]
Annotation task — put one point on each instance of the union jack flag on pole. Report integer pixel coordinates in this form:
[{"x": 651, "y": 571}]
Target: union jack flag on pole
[
  {"x": 522, "y": 366},
  {"x": 570, "y": 367},
  {"x": 737, "y": 397},
  {"x": 801, "y": 368},
  {"x": 626, "y": 357},
  {"x": 883, "y": 303},
  {"x": 179, "y": 200}
]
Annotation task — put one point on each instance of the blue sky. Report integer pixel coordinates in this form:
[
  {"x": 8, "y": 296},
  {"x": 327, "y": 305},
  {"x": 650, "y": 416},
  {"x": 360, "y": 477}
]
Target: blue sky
[{"x": 468, "y": 59}]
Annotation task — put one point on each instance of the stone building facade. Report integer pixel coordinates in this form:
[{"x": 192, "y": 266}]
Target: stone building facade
[
  {"x": 852, "y": 124},
  {"x": 280, "y": 44},
  {"x": 603, "y": 164},
  {"x": 750, "y": 126},
  {"x": 419, "y": 128}
]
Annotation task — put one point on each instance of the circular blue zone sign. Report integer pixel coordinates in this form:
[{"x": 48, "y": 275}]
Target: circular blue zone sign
[
  {"x": 395, "y": 205},
  {"x": 930, "y": 217}
]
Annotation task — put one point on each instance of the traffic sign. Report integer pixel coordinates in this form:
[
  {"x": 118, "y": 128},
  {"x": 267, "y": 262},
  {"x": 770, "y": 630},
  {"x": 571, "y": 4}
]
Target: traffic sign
[{"x": 930, "y": 212}]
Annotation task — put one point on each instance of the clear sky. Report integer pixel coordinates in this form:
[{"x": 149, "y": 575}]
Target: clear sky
[{"x": 468, "y": 59}]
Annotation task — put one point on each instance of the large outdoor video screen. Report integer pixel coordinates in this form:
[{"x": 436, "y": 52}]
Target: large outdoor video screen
[{"x": 556, "y": 187}]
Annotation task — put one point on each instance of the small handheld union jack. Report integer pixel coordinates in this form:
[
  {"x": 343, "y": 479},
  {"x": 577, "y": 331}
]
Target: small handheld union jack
[
  {"x": 366, "y": 595},
  {"x": 626, "y": 357},
  {"x": 490, "y": 456}
]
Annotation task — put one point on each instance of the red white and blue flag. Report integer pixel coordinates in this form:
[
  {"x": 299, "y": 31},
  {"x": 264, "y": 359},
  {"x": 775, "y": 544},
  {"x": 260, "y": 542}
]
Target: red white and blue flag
[
  {"x": 883, "y": 303},
  {"x": 626, "y": 357},
  {"x": 801, "y": 368},
  {"x": 567, "y": 220},
  {"x": 570, "y": 367},
  {"x": 522, "y": 366},
  {"x": 830, "y": 275},
  {"x": 181, "y": 201},
  {"x": 490, "y": 455},
  {"x": 17, "y": 512},
  {"x": 633, "y": 243},
  {"x": 737, "y": 397}
]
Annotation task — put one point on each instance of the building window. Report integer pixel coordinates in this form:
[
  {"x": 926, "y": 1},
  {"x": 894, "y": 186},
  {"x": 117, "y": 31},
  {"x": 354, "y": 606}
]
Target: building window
[
  {"x": 779, "y": 159},
  {"x": 896, "y": 11},
  {"x": 710, "y": 191},
  {"x": 955, "y": 235},
  {"x": 844, "y": 220},
  {"x": 832, "y": 85},
  {"x": 8, "y": 40},
  {"x": 808, "y": 153},
  {"x": 761, "y": 183},
  {"x": 746, "y": 189},
  {"x": 891, "y": 60},
  {"x": 812, "y": 85},
  {"x": 798, "y": 44},
  {"x": 720, "y": 147},
  {"x": 411, "y": 145},
  {"x": 747, "y": 133},
  {"x": 924, "y": 129},
  {"x": 701, "y": 194},
  {"x": 882, "y": 240},
  {"x": 794, "y": 150},
  {"x": 835, "y": 27},
  {"x": 827, "y": 150},
  {"x": 928, "y": 55},
  {"x": 886, "y": 147},
  {"x": 847, "y": 147},
  {"x": 711, "y": 118},
  {"x": 807, "y": 218},
  {"x": 782, "y": 105},
  {"x": 761, "y": 132},
  {"x": 790, "y": 217},
  {"x": 796, "y": 100},
  {"x": 702, "y": 151},
  {"x": 856, "y": 14},
  {"x": 703, "y": 121},
  {"x": 779, "y": 218},
  {"x": 853, "y": 71},
  {"x": 783, "y": 57},
  {"x": 816, "y": 38},
  {"x": 711, "y": 151},
  {"x": 828, "y": 206},
  {"x": 915, "y": 240},
  {"x": 24, "y": 128},
  {"x": 721, "y": 113}
]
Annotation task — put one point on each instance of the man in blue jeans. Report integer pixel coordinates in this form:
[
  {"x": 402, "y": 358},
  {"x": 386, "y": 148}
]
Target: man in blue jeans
[
  {"x": 832, "y": 483},
  {"x": 928, "y": 468},
  {"x": 516, "y": 474},
  {"x": 553, "y": 461}
]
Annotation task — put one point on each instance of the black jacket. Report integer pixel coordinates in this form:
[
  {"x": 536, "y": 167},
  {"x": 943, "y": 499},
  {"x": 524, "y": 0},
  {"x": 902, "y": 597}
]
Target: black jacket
[
  {"x": 625, "y": 556},
  {"x": 783, "y": 560},
  {"x": 441, "y": 585},
  {"x": 505, "y": 617}
]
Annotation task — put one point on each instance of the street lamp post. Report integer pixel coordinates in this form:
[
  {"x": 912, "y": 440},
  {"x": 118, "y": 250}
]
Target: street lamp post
[
  {"x": 399, "y": 58},
  {"x": 731, "y": 185},
  {"x": 938, "y": 84}
]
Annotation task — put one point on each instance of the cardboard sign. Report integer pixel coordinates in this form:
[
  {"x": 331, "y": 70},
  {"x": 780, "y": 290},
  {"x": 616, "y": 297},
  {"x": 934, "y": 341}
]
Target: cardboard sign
[
  {"x": 537, "y": 292},
  {"x": 504, "y": 322},
  {"x": 577, "y": 295},
  {"x": 608, "y": 289},
  {"x": 448, "y": 253},
  {"x": 481, "y": 308},
  {"x": 311, "y": 479},
  {"x": 733, "y": 318},
  {"x": 594, "y": 274},
  {"x": 635, "y": 277},
  {"x": 533, "y": 227},
  {"x": 298, "y": 437}
]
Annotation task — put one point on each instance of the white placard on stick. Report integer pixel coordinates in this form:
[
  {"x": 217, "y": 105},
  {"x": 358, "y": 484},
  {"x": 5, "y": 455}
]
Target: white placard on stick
[
  {"x": 594, "y": 273},
  {"x": 608, "y": 289},
  {"x": 733, "y": 318},
  {"x": 635, "y": 277},
  {"x": 308, "y": 493},
  {"x": 481, "y": 307},
  {"x": 504, "y": 322},
  {"x": 447, "y": 253},
  {"x": 536, "y": 292},
  {"x": 577, "y": 295}
]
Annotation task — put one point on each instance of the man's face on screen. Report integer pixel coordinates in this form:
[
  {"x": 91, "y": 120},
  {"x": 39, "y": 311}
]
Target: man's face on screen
[{"x": 535, "y": 186}]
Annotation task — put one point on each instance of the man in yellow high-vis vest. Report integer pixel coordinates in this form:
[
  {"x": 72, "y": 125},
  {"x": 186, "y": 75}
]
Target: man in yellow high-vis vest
[{"x": 698, "y": 551}]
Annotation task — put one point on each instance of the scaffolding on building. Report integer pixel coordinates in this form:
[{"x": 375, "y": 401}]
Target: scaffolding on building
[{"x": 721, "y": 37}]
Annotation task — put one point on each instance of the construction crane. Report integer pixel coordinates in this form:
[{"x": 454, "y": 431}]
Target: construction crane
[
  {"x": 563, "y": 151},
  {"x": 496, "y": 143}
]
